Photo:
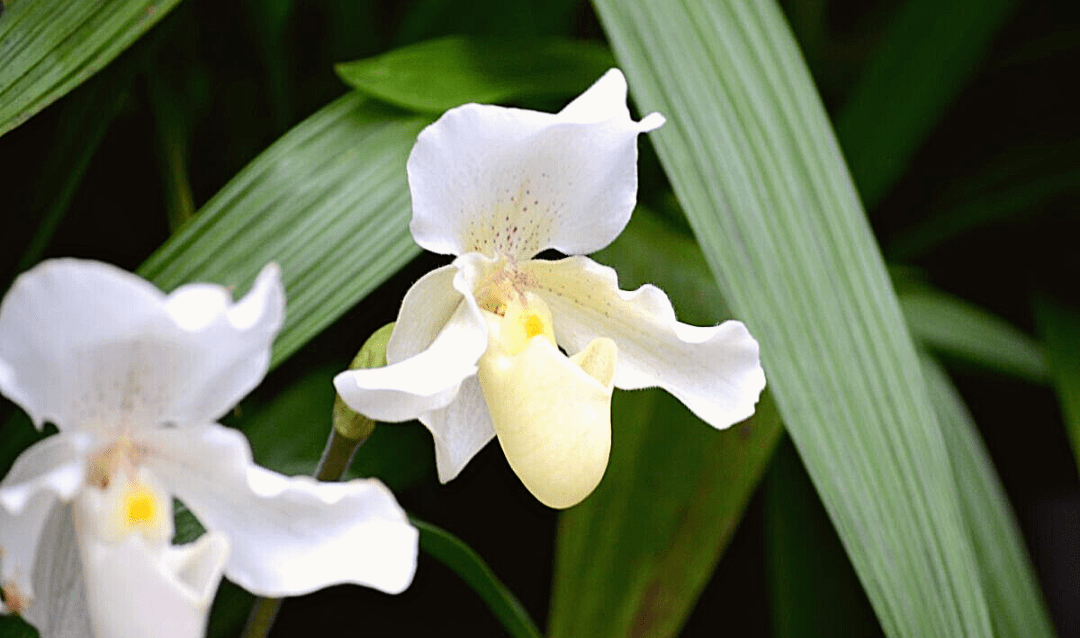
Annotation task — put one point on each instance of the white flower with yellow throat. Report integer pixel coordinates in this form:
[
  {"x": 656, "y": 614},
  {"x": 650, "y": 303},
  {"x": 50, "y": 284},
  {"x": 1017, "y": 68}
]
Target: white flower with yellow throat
[
  {"x": 135, "y": 379},
  {"x": 475, "y": 350}
]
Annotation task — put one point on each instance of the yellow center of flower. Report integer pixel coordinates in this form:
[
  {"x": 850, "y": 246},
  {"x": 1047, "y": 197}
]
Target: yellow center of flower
[
  {"x": 140, "y": 505},
  {"x": 534, "y": 325}
]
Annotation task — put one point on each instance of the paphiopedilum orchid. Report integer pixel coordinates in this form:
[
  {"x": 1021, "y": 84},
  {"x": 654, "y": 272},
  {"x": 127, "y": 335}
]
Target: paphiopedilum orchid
[
  {"x": 135, "y": 380},
  {"x": 475, "y": 351}
]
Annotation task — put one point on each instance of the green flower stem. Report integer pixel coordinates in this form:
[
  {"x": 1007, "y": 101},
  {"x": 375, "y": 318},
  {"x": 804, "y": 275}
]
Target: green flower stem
[{"x": 335, "y": 460}]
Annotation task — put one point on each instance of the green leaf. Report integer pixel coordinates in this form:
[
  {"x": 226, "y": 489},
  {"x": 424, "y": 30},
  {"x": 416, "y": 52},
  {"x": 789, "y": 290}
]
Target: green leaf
[
  {"x": 813, "y": 591},
  {"x": 440, "y": 74},
  {"x": 930, "y": 51},
  {"x": 49, "y": 47},
  {"x": 288, "y": 428},
  {"x": 956, "y": 327},
  {"x": 459, "y": 557},
  {"x": 633, "y": 558},
  {"x": 1021, "y": 186},
  {"x": 1017, "y": 609},
  {"x": 1059, "y": 327},
  {"x": 755, "y": 165},
  {"x": 82, "y": 125},
  {"x": 328, "y": 202}
]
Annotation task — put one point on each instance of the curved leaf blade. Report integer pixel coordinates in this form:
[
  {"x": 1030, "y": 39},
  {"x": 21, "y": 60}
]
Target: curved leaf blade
[
  {"x": 455, "y": 554},
  {"x": 924, "y": 60},
  {"x": 753, "y": 160},
  {"x": 48, "y": 47},
  {"x": 1059, "y": 327},
  {"x": 1017, "y": 608},
  {"x": 433, "y": 76},
  {"x": 951, "y": 325},
  {"x": 328, "y": 202},
  {"x": 634, "y": 557}
]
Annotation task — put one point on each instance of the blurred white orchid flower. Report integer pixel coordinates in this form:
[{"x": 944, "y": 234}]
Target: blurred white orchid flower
[
  {"x": 474, "y": 353},
  {"x": 135, "y": 379}
]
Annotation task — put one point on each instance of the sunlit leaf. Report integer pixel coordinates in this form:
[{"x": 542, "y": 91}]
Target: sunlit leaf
[
  {"x": 48, "y": 47},
  {"x": 752, "y": 157},
  {"x": 437, "y": 75},
  {"x": 1017, "y": 609},
  {"x": 328, "y": 202}
]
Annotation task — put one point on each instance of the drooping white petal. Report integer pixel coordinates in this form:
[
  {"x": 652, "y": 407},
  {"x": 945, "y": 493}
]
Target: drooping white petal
[
  {"x": 59, "y": 608},
  {"x": 87, "y": 345},
  {"x": 552, "y": 414},
  {"x": 137, "y": 589},
  {"x": 460, "y": 429},
  {"x": 489, "y": 179},
  {"x": 288, "y": 536},
  {"x": 438, "y": 337},
  {"x": 50, "y": 471},
  {"x": 715, "y": 371}
]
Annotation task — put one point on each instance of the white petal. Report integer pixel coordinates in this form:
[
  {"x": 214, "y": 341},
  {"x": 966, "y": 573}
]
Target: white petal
[
  {"x": 49, "y": 471},
  {"x": 59, "y": 608},
  {"x": 289, "y": 536},
  {"x": 136, "y": 588},
  {"x": 87, "y": 345},
  {"x": 552, "y": 416},
  {"x": 439, "y": 335},
  {"x": 715, "y": 371},
  {"x": 460, "y": 429},
  {"x": 489, "y": 179}
]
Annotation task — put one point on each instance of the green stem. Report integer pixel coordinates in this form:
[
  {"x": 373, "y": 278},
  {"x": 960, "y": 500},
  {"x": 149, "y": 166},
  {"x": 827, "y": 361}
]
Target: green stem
[{"x": 335, "y": 460}]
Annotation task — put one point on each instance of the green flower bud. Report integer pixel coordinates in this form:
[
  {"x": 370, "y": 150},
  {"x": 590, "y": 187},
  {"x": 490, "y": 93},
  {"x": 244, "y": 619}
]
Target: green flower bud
[{"x": 347, "y": 422}]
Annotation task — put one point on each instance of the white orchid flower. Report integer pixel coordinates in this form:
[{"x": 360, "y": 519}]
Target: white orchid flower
[
  {"x": 135, "y": 379},
  {"x": 475, "y": 351}
]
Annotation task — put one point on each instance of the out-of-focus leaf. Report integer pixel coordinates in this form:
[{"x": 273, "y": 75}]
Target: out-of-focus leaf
[
  {"x": 1022, "y": 185},
  {"x": 12, "y": 626},
  {"x": 328, "y": 202},
  {"x": 521, "y": 19},
  {"x": 1017, "y": 609},
  {"x": 633, "y": 558},
  {"x": 1059, "y": 327},
  {"x": 288, "y": 431},
  {"x": 459, "y": 557},
  {"x": 922, "y": 63},
  {"x": 813, "y": 591},
  {"x": 48, "y": 47},
  {"x": 437, "y": 75},
  {"x": 956, "y": 327},
  {"x": 81, "y": 127},
  {"x": 750, "y": 153}
]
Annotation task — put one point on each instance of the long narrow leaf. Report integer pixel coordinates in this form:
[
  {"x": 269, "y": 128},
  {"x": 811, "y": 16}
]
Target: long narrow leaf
[
  {"x": 953, "y": 326},
  {"x": 465, "y": 562},
  {"x": 633, "y": 558},
  {"x": 328, "y": 202},
  {"x": 1016, "y": 605},
  {"x": 1059, "y": 326},
  {"x": 48, "y": 47},
  {"x": 922, "y": 63},
  {"x": 755, "y": 165},
  {"x": 813, "y": 591}
]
